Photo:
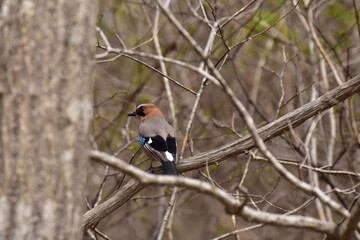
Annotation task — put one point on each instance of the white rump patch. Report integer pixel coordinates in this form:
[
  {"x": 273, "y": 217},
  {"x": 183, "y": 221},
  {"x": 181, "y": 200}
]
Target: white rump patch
[
  {"x": 150, "y": 141},
  {"x": 169, "y": 156}
]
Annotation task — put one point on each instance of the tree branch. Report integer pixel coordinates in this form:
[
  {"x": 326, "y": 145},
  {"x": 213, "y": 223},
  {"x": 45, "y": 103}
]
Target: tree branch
[
  {"x": 347, "y": 228},
  {"x": 270, "y": 131},
  {"x": 232, "y": 205}
]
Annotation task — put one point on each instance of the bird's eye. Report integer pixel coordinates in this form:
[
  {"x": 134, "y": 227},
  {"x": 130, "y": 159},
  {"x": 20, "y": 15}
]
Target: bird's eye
[{"x": 142, "y": 108}]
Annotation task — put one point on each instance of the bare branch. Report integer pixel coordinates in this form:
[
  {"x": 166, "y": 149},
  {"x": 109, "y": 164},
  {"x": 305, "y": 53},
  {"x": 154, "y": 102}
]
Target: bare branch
[
  {"x": 159, "y": 72},
  {"x": 272, "y": 130},
  {"x": 120, "y": 51},
  {"x": 232, "y": 205},
  {"x": 350, "y": 224},
  {"x": 167, "y": 215},
  {"x": 162, "y": 65},
  {"x": 237, "y": 13}
]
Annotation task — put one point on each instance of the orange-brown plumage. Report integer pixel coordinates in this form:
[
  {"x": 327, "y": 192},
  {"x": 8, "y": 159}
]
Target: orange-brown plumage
[{"x": 151, "y": 111}]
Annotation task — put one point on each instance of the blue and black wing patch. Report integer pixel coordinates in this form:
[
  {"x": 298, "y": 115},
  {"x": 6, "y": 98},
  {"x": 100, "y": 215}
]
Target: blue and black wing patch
[
  {"x": 163, "y": 151},
  {"x": 157, "y": 143}
]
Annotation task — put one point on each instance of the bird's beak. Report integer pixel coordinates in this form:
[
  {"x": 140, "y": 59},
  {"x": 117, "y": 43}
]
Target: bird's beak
[{"x": 131, "y": 114}]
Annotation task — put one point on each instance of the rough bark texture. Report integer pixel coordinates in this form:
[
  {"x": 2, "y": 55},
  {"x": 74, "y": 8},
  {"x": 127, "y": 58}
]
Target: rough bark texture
[{"x": 45, "y": 113}]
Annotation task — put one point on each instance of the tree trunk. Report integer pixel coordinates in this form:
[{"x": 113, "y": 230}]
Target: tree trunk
[{"x": 45, "y": 113}]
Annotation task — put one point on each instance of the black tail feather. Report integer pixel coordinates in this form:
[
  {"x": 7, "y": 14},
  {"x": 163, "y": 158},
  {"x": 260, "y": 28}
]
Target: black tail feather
[{"x": 169, "y": 168}]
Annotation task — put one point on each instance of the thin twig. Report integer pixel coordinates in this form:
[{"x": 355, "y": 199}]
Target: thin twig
[
  {"x": 302, "y": 206},
  {"x": 267, "y": 29},
  {"x": 168, "y": 212},
  {"x": 162, "y": 74},
  {"x": 101, "y": 234},
  {"x": 162, "y": 65},
  {"x": 237, "y": 13},
  {"x": 204, "y": 81},
  {"x": 338, "y": 78}
]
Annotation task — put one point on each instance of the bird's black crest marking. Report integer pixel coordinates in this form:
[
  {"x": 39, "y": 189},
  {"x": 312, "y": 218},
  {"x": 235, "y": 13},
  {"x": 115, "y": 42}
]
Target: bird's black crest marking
[{"x": 140, "y": 111}]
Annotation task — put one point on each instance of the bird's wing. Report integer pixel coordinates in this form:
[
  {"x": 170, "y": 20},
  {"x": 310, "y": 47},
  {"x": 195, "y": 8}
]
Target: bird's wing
[
  {"x": 171, "y": 145},
  {"x": 158, "y": 147}
]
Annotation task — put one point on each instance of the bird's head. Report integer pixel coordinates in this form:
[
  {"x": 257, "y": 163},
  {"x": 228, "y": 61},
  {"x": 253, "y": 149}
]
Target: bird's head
[{"x": 145, "y": 111}]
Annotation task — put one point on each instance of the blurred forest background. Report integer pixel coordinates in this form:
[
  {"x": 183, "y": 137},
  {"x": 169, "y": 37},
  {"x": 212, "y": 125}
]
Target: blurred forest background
[{"x": 275, "y": 57}]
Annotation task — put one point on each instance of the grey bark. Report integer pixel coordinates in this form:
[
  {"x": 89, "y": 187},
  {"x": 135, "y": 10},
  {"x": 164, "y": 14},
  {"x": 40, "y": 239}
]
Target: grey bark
[{"x": 45, "y": 113}]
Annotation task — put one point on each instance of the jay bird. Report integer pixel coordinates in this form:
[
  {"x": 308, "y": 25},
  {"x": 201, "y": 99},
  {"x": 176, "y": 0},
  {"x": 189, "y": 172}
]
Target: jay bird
[{"x": 157, "y": 137}]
